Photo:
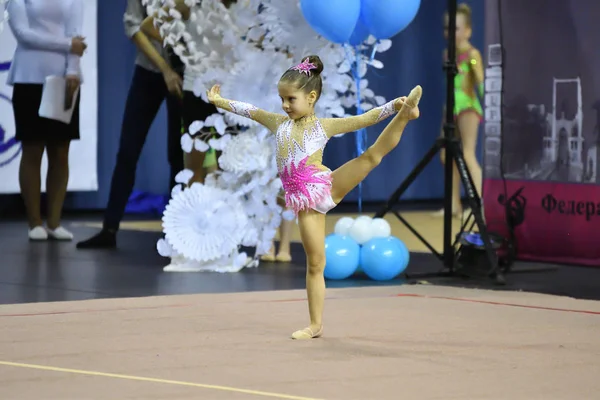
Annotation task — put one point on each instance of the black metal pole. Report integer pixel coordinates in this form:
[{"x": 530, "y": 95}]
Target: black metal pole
[
  {"x": 450, "y": 144},
  {"x": 449, "y": 133}
]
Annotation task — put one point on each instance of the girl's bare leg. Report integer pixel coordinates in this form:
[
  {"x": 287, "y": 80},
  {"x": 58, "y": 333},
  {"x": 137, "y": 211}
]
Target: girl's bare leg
[
  {"x": 312, "y": 233},
  {"x": 346, "y": 177},
  {"x": 468, "y": 125}
]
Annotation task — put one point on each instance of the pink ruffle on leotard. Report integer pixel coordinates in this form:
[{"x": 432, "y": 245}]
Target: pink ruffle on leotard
[{"x": 305, "y": 185}]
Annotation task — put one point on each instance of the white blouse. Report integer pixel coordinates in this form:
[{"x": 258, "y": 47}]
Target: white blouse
[{"x": 43, "y": 30}]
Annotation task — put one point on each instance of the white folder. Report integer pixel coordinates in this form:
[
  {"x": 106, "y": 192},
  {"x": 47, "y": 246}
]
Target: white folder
[{"x": 52, "y": 105}]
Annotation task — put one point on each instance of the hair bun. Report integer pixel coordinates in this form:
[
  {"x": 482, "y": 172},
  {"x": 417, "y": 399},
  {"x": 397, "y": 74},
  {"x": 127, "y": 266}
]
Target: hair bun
[
  {"x": 316, "y": 61},
  {"x": 464, "y": 8}
]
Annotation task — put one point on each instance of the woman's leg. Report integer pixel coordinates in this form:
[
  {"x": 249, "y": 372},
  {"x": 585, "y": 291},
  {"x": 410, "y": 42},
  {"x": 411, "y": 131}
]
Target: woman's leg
[
  {"x": 468, "y": 125},
  {"x": 346, "y": 177},
  {"x": 30, "y": 181},
  {"x": 312, "y": 233},
  {"x": 56, "y": 183}
]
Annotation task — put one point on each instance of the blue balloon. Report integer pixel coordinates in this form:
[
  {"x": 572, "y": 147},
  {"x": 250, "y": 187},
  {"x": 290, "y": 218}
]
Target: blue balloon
[
  {"x": 386, "y": 18},
  {"x": 383, "y": 259},
  {"x": 360, "y": 34},
  {"x": 333, "y": 19},
  {"x": 342, "y": 255},
  {"x": 398, "y": 242}
]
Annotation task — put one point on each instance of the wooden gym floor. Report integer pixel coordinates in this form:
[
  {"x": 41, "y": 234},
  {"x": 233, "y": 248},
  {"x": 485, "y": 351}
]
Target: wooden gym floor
[{"x": 425, "y": 222}]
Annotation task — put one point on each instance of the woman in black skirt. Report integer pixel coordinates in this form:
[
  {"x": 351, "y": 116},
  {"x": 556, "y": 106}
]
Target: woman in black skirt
[{"x": 49, "y": 43}]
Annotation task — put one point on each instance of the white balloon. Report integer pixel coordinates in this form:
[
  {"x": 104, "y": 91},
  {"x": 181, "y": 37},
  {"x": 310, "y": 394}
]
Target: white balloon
[
  {"x": 360, "y": 231},
  {"x": 364, "y": 218},
  {"x": 380, "y": 228},
  {"x": 343, "y": 226}
]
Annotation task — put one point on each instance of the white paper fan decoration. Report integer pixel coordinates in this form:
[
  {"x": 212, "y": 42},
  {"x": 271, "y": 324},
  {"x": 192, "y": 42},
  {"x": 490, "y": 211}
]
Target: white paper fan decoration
[
  {"x": 226, "y": 264},
  {"x": 203, "y": 223}
]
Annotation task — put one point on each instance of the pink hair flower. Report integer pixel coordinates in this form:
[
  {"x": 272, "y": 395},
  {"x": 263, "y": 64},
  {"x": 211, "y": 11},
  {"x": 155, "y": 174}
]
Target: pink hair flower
[{"x": 305, "y": 67}]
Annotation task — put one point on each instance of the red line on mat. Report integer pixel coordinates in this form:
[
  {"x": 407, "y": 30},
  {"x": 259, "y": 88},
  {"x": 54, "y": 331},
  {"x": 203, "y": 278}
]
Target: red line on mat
[
  {"x": 496, "y": 303},
  {"x": 91, "y": 311}
]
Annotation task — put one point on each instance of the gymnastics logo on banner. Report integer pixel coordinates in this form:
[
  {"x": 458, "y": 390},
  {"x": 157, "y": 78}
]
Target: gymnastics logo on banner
[
  {"x": 542, "y": 148},
  {"x": 83, "y": 154}
]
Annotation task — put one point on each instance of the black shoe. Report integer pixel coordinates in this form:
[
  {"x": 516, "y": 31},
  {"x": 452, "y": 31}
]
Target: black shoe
[{"x": 104, "y": 240}]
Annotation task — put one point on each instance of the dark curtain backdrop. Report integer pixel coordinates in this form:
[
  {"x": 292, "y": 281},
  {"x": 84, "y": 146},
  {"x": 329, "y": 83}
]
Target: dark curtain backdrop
[{"x": 415, "y": 58}]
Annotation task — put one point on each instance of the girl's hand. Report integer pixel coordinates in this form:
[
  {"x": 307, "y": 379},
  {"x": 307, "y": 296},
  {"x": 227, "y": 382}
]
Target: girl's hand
[
  {"x": 399, "y": 102},
  {"x": 214, "y": 94}
]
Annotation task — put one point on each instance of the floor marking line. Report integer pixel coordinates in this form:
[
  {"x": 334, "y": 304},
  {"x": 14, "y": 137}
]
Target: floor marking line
[
  {"x": 498, "y": 303},
  {"x": 156, "y": 380},
  {"x": 423, "y": 296},
  {"x": 290, "y": 300},
  {"x": 97, "y": 310}
]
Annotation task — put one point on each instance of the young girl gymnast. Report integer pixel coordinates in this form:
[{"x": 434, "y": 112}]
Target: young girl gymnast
[
  {"x": 311, "y": 189},
  {"x": 468, "y": 113}
]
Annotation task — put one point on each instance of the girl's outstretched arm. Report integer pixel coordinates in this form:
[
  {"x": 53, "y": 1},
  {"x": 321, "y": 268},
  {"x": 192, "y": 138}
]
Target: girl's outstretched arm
[
  {"x": 337, "y": 126},
  {"x": 268, "y": 119}
]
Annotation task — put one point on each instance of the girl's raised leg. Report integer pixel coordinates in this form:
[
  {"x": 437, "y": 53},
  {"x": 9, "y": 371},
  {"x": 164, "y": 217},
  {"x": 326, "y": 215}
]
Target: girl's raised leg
[
  {"x": 312, "y": 233},
  {"x": 346, "y": 177}
]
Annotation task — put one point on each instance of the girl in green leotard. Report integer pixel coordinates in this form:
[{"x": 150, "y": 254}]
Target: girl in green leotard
[{"x": 468, "y": 113}]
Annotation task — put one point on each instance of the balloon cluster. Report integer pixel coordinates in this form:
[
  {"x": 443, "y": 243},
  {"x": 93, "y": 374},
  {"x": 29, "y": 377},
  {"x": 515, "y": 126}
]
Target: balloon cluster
[
  {"x": 351, "y": 21},
  {"x": 365, "y": 244}
]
